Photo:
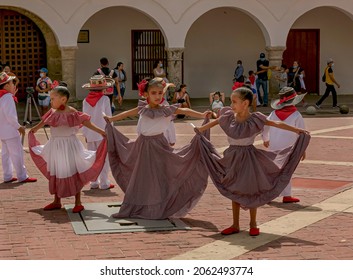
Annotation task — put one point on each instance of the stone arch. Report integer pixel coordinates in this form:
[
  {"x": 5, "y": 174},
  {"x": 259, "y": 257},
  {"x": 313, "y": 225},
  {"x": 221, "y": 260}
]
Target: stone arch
[{"x": 53, "y": 51}]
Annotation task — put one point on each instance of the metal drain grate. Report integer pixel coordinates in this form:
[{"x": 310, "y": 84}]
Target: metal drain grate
[{"x": 96, "y": 218}]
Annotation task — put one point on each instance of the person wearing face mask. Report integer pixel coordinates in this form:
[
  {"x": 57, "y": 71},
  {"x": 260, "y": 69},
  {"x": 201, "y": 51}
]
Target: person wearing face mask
[
  {"x": 43, "y": 87},
  {"x": 330, "y": 82},
  {"x": 296, "y": 76},
  {"x": 262, "y": 66},
  {"x": 239, "y": 72},
  {"x": 159, "y": 72}
]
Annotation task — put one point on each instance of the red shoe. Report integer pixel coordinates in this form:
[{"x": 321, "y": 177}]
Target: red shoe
[
  {"x": 111, "y": 186},
  {"x": 290, "y": 199},
  {"x": 229, "y": 231},
  {"x": 254, "y": 231},
  {"x": 11, "y": 180},
  {"x": 78, "y": 209},
  {"x": 52, "y": 206},
  {"x": 29, "y": 180}
]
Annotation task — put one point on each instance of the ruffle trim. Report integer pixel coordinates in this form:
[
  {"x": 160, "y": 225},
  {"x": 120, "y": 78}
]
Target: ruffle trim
[
  {"x": 236, "y": 130},
  {"x": 59, "y": 186},
  {"x": 162, "y": 111},
  {"x": 71, "y": 119}
]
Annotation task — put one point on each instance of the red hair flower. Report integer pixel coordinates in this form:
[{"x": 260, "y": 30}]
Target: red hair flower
[
  {"x": 54, "y": 84},
  {"x": 142, "y": 86}
]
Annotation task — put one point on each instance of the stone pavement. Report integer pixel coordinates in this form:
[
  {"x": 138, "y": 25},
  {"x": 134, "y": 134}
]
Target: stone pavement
[{"x": 319, "y": 227}]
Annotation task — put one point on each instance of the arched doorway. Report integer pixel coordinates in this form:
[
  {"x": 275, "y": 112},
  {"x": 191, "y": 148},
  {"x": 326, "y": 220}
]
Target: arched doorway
[{"x": 23, "y": 47}]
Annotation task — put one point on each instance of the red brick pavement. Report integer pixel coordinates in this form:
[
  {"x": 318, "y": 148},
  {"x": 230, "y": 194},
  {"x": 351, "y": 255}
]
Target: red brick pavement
[{"x": 27, "y": 232}]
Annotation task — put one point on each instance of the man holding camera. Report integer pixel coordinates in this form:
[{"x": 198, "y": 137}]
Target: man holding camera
[{"x": 43, "y": 87}]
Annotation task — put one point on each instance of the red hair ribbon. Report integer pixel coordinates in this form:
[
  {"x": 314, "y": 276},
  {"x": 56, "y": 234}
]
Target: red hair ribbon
[
  {"x": 141, "y": 87},
  {"x": 54, "y": 84}
]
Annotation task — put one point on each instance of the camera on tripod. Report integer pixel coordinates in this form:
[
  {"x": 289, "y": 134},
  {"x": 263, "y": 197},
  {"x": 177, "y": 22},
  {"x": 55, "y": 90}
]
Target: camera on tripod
[{"x": 29, "y": 90}]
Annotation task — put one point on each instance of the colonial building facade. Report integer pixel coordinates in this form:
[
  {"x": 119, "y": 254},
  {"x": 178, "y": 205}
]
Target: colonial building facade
[{"x": 202, "y": 39}]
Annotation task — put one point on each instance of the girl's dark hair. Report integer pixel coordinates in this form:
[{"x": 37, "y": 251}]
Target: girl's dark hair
[
  {"x": 217, "y": 93},
  {"x": 244, "y": 94},
  {"x": 118, "y": 65},
  {"x": 251, "y": 72},
  {"x": 181, "y": 87},
  {"x": 156, "y": 64},
  {"x": 62, "y": 91},
  {"x": 154, "y": 82},
  {"x": 284, "y": 66}
]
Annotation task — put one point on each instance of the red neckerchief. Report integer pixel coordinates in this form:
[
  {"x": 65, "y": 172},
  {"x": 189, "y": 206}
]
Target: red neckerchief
[
  {"x": 4, "y": 91},
  {"x": 285, "y": 112},
  {"x": 93, "y": 97}
]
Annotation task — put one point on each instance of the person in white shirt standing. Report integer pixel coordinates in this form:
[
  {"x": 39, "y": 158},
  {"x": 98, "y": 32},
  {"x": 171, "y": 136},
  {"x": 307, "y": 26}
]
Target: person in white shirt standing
[
  {"x": 95, "y": 104},
  {"x": 10, "y": 131},
  {"x": 277, "y": 139}
]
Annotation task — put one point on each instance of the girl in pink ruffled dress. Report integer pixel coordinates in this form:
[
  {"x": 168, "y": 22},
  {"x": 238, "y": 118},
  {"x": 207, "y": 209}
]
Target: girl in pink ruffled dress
[
  {"x": 63, "y": 160},
  {"x": 158, "y": 181}
]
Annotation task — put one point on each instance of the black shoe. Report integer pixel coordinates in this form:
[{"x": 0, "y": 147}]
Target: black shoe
[{"x": 265, "y": 105}]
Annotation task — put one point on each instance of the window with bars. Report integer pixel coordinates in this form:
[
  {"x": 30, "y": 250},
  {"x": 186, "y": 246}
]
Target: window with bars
[{"x": 147, "y": 47}]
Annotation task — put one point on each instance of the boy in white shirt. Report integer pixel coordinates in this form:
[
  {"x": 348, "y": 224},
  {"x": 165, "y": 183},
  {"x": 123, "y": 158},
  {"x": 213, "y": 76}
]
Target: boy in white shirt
[
  {"x": 95, "y": 104},
  {"x": 277, "y": 139},
  {"x": 10, "y": 131}
]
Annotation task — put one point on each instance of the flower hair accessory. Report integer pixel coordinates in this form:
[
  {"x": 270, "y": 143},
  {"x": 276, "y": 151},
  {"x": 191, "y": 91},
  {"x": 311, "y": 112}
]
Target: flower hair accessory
[
  {"x": 54, "y": 84},
  {"x": 142, "y": 86}
]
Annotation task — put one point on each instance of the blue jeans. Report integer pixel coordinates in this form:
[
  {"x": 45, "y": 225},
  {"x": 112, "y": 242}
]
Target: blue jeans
[{"x": 262, "y": 83}]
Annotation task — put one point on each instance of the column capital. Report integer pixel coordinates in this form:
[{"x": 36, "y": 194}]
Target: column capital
[
  {"x": 275, "y": 52},
  {"x": 175, "y": 53}
]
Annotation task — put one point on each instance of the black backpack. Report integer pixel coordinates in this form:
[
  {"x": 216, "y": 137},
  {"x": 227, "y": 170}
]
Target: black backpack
[{"x": 324, "y": 76}]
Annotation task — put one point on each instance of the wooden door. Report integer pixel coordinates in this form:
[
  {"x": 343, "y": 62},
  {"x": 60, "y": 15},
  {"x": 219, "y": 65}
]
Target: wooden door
[
  {"x": 303, "y": 45},
  {"x": 22, "y": 46}
]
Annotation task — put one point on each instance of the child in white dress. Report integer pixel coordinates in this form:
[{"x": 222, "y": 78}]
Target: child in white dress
[{"x": 63, "y": 159}]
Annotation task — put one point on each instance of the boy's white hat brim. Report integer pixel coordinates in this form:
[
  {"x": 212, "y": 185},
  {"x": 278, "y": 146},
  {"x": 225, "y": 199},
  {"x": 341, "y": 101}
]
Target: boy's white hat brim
[
  {"x": 294, "y": 101},
  {"x": 109, "y": 83}
]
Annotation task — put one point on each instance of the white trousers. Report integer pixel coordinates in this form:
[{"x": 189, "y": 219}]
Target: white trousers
[
  {"x": 102, "y": 180},
  {"x": 12, "y": 157}
]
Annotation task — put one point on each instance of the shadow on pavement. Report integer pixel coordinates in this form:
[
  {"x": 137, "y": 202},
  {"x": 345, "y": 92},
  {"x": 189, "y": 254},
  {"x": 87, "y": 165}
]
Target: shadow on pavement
[{"x": 294, "y": 206}]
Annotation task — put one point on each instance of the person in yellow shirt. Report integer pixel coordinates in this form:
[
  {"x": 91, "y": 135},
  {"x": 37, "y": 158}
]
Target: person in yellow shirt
[{"x": 330, "y": 86}]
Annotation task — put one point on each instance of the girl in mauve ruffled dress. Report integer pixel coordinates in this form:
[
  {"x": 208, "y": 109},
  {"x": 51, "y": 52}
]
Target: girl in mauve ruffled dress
[
  {"x": 158, "y": 181},
  {"x": 250, "y": 177},
  {"x": 63, "y": 160}
]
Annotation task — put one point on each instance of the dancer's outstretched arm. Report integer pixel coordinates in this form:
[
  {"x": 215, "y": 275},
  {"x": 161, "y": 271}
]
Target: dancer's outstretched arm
[
  {"x": 285, "y": 126},
  {"x": 192, "y": 113},
  {"x": 207, "y": 126},
  {"x": 123, "y": 115}
]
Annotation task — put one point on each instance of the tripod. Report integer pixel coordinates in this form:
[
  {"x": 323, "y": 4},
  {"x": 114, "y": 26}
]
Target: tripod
[{"x": 28, "y": 112}]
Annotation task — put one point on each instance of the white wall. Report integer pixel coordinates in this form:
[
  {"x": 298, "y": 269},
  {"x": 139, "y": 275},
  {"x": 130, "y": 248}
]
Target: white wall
[
  {"x": 110, "y": 36},
  {"x": 213, "y": 45}
]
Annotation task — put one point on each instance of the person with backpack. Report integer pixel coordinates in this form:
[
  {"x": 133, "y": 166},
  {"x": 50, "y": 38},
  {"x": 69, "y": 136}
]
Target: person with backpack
[
  {"x": 330, "y": 82},
  {"x": 105, "y": 71}
]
